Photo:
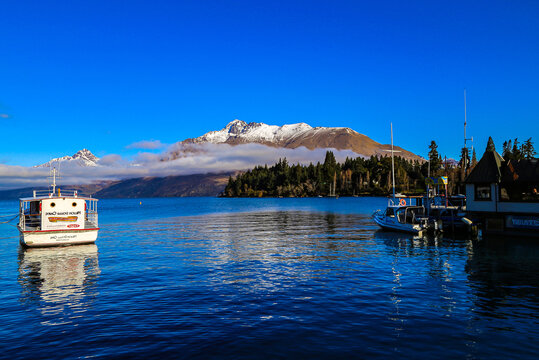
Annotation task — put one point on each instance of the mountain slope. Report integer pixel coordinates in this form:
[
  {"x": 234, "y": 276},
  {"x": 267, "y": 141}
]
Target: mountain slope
[{"x": 296, "y": 135}]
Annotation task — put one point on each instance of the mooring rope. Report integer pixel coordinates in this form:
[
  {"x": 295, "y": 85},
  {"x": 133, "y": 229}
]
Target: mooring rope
[
  {"x": 13, "y": 218},
  {"x": 1, "y": 216}
]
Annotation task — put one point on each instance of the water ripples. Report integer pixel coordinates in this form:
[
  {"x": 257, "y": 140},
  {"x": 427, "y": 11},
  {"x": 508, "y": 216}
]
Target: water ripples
[{"x": 270, "y": 284}]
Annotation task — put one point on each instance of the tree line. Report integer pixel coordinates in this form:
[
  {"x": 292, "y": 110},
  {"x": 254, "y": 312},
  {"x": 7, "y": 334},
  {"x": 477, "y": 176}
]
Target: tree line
[
  {"x": 357, "y": 176},
  {"x": 512, "y": 150}
]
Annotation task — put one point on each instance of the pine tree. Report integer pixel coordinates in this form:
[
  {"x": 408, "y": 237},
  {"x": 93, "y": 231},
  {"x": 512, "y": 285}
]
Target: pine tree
[
  {"x": 464, "y": 158},
  {"x": 527, "y": 149},
  {"x": 464, "y": 163},
  {"x": 515, "y": 153},
  {"x": 329, "y": 170},
  {"x": 434, "y": 158},
  {"x": 506, "y": 148},
  {"x": 474, "y": 158}
]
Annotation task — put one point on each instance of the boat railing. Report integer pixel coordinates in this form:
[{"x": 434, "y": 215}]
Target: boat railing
[
  {"x": 59, "y": 192},
  {"x": 30, "y": 221},
  {"x": 404, "y": 201},
  {"x": 439, "y": 202},
  {"x": 33, "y": 221},
  {"x": 91, "y": 219}
]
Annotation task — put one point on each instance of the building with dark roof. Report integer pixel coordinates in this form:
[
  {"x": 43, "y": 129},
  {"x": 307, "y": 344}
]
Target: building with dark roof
[{"x": 504, "y": 195}]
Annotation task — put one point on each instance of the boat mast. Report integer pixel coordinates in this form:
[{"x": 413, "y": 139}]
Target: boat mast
[
  {"x": 392, "y": 162},
  {"x": 464, "y": 117}
]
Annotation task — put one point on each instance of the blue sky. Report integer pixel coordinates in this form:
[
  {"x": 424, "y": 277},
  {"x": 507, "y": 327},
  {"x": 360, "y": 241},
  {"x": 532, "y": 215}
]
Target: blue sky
[{"x": 106, "y": 74}]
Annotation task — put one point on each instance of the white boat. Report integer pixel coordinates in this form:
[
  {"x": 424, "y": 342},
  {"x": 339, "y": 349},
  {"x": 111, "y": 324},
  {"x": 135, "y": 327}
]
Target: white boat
[
  {"x": 57, "y": 218},
  {"x": 402, "y": 215}
]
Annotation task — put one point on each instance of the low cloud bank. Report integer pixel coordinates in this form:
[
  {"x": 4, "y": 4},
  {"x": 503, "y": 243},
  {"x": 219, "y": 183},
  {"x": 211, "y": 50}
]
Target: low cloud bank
[{"x": 191, "y": 159}]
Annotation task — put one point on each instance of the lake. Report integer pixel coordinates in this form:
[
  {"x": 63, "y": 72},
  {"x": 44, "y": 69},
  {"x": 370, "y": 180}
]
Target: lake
[{"x": 265, "y": 278}]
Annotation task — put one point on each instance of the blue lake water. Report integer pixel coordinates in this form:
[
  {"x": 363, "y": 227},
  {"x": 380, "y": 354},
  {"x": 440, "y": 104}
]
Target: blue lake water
[{"x": 265, "y": 278}]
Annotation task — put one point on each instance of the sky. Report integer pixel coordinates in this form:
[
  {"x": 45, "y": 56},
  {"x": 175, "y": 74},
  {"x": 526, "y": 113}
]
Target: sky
[{"x": 123, "y": 78}]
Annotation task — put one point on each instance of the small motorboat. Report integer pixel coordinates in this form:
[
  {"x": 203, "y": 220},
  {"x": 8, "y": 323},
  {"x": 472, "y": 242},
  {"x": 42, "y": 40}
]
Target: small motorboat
[{"x": 403, "y": 214}]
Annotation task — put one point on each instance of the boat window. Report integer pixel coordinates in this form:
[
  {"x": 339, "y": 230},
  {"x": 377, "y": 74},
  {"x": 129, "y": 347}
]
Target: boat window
[
  {"x": 53, "y": 204},
  {"x": 401, "y": 214},
  {"x": 34, "y": 207},
  {"x": 410, "y": 216},
  {"x": 74, "y": 204}
]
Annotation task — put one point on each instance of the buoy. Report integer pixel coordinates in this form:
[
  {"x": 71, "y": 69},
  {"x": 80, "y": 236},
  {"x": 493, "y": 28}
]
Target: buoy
[{"x": 140, "y": 203}]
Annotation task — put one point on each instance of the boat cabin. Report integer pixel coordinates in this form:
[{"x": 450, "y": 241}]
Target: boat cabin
[{"x": 61, "y": 211}]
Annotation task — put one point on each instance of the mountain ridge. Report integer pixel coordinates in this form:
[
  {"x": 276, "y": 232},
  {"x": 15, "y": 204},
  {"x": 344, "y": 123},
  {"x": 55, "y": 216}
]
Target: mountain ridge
[
  {"x": 82, "y": 157},
  {"x": 296, "y": 135}
]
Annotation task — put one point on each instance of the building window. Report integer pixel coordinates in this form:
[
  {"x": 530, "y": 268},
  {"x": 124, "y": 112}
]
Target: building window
[
  {"x": 519, "y": 192},
  {"x": 482, "y": 192}
]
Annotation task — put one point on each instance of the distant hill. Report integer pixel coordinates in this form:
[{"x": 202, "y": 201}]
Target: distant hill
[
  {"x": 170, "y": 186},
  {"x": 296, "y": 135},
  {"x": 89, "y": 189}
]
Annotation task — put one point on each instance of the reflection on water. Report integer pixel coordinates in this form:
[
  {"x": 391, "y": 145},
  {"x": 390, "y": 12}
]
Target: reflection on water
[
  {"x": 267, "y": 251},
  {"x": 58, "y": 278},
  {"x": 492, "y": 283},
  {"x": 505, "y": 272}
]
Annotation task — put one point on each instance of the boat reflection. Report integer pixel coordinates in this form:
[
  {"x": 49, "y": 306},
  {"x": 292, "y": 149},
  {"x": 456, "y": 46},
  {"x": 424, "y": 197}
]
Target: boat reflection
[
  {"x": 400, "y": 240},
  {"x": 60, "y": 278}
]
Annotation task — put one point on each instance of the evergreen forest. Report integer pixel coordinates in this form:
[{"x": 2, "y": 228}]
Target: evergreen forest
[{"x": 359, "y": 176}]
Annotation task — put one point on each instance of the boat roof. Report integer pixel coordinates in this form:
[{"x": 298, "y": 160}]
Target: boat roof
[
  {"x": 401, "y": 196},
  {"x": 39, "y": 198},
  {"x": 39, "y": 195}
]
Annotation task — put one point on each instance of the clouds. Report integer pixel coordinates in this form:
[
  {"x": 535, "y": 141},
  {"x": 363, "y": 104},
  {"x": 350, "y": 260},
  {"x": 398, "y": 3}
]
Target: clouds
[
  {"x": 12, "y": 177},
  {"x": 147, "y": 145},
  {"x": 192, "y": 159}
]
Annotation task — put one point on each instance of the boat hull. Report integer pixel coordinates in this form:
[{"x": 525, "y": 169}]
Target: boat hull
[
  {"x": 387, "y": 224},
  {"x": 57, "y": 237}
]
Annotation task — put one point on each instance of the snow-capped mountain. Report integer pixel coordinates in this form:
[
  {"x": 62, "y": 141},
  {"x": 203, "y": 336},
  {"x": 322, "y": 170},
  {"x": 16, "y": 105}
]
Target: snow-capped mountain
[
  {"x": 296, "y": 135},
  {"x": 253, "y": 132},
  {"x": 82, "y": 158}
]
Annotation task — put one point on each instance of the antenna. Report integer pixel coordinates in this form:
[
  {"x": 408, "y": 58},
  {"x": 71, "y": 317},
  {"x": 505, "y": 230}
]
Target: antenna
[
  {"x": 464, "y": 117},
  {"x": 54, "y": 174},
  {"x": 466, "y": 139}
]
